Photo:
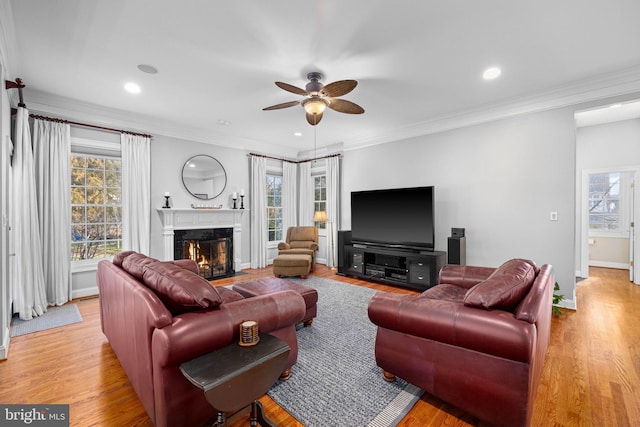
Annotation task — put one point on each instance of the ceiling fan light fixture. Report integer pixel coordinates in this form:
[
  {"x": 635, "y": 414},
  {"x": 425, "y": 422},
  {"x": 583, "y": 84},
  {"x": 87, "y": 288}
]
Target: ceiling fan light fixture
[{"x": 314, "y": 105}]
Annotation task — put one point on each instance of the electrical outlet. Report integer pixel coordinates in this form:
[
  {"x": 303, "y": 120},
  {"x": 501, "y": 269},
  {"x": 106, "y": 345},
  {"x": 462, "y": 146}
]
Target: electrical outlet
[{"x": 553, "y": 216}]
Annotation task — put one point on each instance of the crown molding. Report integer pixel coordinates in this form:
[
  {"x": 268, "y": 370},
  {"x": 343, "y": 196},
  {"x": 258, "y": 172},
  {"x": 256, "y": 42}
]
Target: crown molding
[
  {"x": 605, "y": 86},
  {"x": 46, "y": 103},
  {"x": 587, "y": 90}
]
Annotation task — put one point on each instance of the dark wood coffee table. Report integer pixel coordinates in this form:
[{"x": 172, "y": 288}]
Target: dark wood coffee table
[{"x": 234, "y": 377}]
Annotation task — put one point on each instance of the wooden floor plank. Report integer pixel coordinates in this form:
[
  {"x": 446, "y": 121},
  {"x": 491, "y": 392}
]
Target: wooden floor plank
[{"x": 591, "y": 375}]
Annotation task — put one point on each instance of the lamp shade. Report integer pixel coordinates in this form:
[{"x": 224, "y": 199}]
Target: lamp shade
[{"x": 320, "y": 216}]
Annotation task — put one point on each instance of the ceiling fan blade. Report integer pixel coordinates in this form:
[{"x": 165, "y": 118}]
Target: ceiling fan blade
[
  {"x": 339, "y": 88},
  {"x": 344, "y": 106},
  {"x": 283, "y": 105},
  {"x": 291, "y": 88},
  {"x": 314, "y": 119}
]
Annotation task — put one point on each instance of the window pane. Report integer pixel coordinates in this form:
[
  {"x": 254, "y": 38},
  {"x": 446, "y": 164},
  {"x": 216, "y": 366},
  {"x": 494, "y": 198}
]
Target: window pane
[
  {"x": 77, "y": 176},
  {"x": 77, "y": 195},
  {"x": 113, "y": 196},
  {"x": 96, "y": 211},
  {"x": 95, "y": 196},
  {"x": 604, "y": 201}
]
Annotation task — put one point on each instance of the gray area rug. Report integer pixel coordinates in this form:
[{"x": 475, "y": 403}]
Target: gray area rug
[
  {"x": 336, "y": 381},
  {"x": 53, "y": 318}
]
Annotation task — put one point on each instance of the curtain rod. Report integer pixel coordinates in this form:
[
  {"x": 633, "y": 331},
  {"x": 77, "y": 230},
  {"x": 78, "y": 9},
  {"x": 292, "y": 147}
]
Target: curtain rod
[
  {"x": 295, "y": 161},
  {"x": 52, "y": 119},
  {"x": 8, "y": 84}
]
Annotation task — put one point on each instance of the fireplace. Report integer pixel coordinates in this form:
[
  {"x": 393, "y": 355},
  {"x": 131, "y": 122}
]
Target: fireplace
[{"x": 211, "y": 249}]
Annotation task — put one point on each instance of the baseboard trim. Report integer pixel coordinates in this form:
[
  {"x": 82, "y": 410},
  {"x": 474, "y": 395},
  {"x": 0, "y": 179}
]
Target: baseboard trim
[
  {"x": 84, "y": 292},
  {"x": 607, "y": 264}
]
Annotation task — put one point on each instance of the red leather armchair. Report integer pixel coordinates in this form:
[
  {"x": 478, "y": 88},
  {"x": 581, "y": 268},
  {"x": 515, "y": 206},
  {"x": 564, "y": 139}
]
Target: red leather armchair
[{"x": 477, "y": 340}]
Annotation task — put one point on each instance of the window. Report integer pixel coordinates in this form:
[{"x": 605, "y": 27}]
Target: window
[
  {"x": 320, "y": 197},
  {"x": 274, "y": 207},
  {"x": 96, "y": 206},
  {"x": 605, "y": 199}
]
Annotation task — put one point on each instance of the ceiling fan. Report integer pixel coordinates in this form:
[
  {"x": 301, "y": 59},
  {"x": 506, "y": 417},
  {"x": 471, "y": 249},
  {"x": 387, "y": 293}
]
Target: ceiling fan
[{"x": 317, "y": 97}]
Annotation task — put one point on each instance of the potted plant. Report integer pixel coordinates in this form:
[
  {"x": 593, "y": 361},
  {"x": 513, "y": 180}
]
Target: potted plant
[{"x": 556, "y": 299}]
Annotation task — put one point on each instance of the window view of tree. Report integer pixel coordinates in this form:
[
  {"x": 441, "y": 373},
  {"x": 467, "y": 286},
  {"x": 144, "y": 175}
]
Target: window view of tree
[
  {"x": 96, "y": 207},
  {"x": 320, "y": 197},
  {"x": 604, "y": 201},
  {"x": 274, "y": 207}
]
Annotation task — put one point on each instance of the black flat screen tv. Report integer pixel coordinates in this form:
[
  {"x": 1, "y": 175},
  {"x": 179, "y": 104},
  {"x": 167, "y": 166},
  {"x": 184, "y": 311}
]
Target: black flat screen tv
[{"x": 397, "y": 218}]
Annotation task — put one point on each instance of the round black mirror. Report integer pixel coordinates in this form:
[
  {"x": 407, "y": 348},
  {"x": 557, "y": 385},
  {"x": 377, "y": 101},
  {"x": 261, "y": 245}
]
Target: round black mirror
[{"x": 204, "y": 177}]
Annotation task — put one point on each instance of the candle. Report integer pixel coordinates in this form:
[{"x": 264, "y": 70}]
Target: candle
[
  {"x": 166, "y": 194},
  {"x": 234, "y": 195},
  {"x": 242, "y": 192}
]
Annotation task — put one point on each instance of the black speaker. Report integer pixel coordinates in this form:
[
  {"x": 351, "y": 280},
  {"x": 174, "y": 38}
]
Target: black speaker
[
  {"x": 457, "y": 232},
  {"x": 457, "y": 250},
  {"x": 344, "y": 238}
]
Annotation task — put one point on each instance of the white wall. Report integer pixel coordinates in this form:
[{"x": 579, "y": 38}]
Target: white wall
[
  {"x": 498, "y": 180},
  {"x": 168, "y": 156}
]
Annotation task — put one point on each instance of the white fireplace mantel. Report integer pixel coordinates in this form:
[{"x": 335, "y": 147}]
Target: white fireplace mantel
[{"x": 190, "y": 219}]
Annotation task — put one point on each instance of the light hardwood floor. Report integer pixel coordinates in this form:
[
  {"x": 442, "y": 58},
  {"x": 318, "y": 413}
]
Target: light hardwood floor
[{"x": 591, "y": 375}]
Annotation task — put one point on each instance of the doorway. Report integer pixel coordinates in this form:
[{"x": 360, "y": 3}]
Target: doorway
[{"x": 607, "y": 141}]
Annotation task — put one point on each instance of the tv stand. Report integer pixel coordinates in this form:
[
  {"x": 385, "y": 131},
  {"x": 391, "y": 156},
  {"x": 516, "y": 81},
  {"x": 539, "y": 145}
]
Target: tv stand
[{"x": 413, "y": 269}]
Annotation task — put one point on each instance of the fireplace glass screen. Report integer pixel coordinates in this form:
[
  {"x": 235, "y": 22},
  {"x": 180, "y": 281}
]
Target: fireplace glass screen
[{"x": 211, "y": 249}]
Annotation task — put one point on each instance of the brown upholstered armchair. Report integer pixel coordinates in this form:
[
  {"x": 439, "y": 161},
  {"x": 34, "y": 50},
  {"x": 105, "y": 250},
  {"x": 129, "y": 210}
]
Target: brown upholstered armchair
[
  {"x": 477, "y": 340},
  {"x": 300, "y": 240}
]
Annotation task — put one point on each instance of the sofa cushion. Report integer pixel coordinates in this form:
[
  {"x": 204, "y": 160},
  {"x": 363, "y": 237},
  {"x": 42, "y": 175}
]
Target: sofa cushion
[
  {"x": 120, "y": 256},
  {"x": 505, "y": 288},
  {"x": 446, "y": 292},
  {"x": 135, "y": 263},
  {"x": 179, "y": 289}
]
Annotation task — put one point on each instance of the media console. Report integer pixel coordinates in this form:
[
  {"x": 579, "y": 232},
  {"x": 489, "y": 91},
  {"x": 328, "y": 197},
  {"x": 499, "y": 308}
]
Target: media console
[{"x": 413, "y": 269}]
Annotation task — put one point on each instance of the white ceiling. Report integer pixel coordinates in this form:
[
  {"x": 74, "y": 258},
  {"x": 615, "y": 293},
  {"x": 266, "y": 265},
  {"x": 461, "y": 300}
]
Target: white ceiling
[{"x": 418, "y": 64}]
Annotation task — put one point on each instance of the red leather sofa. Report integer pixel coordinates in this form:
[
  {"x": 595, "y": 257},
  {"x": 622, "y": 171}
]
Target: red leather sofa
[
  {"x": 157, "y": 315},
  {"x": 477, "y": 340}
]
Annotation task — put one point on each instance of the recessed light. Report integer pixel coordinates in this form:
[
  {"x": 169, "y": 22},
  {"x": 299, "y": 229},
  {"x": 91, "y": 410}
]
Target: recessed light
[
  {"x": 132, "y": 88},
  {"x": 297, "y": 134},
  {"x": 149, "y": 69},
  {"x": 491, "y": 73},
  {"x": 223, "y": 122}
]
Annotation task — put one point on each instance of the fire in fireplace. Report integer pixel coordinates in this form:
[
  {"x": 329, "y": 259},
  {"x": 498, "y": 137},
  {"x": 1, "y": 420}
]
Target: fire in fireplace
[{"x": 211, "y": 249}]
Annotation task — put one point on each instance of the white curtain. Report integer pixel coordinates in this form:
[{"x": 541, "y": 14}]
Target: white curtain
[
  {"x": 136, "y": 193},
  {"x": 28, "y": 290},
  {"x": 52, "y": 148},
  {"x": 259, "y": 234},
  {"x": 333, "y": 208},
  {"x": 289, "y": 195},
  {"x": 306, "y": 200}
]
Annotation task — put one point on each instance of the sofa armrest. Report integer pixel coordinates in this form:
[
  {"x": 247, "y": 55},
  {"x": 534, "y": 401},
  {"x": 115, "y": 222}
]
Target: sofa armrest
[
  {"x": 492, "y": 332},
  {"x": 464, "y": 276},
  {"x": 314, "y": 247},
  {"x": 196, "y": 333},
  {"x": 283, "y": 246}
]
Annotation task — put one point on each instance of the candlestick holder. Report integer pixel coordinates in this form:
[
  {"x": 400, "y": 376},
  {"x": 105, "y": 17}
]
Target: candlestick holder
[
  {"x": 234, "y": 204},
  {"x": 241, "y": 201},
  {"x": 166, "y": 202}
]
